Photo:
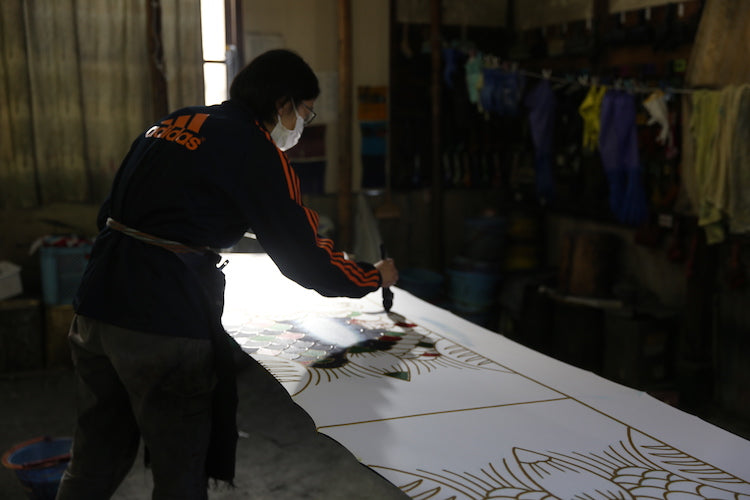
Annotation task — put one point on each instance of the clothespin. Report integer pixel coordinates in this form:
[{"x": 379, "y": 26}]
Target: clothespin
[
  {"x": 647, "y": 13},
  {"x": 680, "y": 9},
  {"x": 546, "y": 74},
  {"x": 583, "y": 80},
  {"x": 589, "y": 24}
]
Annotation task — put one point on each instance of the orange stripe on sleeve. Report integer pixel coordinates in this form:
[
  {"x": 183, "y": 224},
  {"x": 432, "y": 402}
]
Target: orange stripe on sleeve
[
  {"x": 289, "y": 176},
  {"x": 350, "y": 269},
  {"x": 353, "y": 271},
  {"x": 312, "y": 222},
  {"x": 288, "y": 172}
]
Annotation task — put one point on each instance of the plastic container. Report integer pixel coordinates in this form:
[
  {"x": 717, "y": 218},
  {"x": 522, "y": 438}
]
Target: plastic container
[
  {"x": 10, "y": 280},
  {"x": 425, "y": 284},
  {"x": 62, "y": 269},
  {"x": 461, "y": 263},
  {"x": 39, "y": 465},
  {"x": 472, "y": 292}
]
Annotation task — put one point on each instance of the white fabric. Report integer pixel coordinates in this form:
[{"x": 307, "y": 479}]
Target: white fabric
[
  {"x": 473, "y": 414},
  {"x": 656, "y": 105}
]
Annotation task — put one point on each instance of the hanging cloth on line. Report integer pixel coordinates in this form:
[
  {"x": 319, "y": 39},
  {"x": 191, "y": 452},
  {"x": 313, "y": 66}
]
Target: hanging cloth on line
[
  {"x": 720, "y": 126},
  {"x": 618, "y": 145},
  {"x": 590, "y": 111},
  {"x": 542, "y": 104},
  {"x": 474, "y": 81},
  {"x": 738, "y": 146},
  {"x": 710, "y": 182},
  {"x": 656, "y": 105},
  {"x": 501, "y": 91}
]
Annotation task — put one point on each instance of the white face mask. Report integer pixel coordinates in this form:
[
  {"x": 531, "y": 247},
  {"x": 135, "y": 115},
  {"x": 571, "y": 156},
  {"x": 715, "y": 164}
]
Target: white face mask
[{"x": 285, "y": 138}]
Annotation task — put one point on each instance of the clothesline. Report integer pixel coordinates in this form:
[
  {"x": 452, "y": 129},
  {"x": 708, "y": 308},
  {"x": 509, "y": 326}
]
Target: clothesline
[
  {"x": 629, "y": 84},
  {"x": 626, "y": 84}
]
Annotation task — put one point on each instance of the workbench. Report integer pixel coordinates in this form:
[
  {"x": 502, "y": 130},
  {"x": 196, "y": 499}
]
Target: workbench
[{"x": 445, "y": 409}]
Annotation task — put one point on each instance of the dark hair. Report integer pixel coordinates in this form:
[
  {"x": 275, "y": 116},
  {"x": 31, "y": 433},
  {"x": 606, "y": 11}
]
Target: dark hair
[{"x": 271, "y": 76}]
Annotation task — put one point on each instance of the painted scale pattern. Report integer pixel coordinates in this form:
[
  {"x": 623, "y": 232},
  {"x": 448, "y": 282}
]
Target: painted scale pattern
[
  {"x": 640, "y": 467},
  {"x": 303, "y": 341}
]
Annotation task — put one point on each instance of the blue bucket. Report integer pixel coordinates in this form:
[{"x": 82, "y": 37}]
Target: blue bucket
[
  {"x": 484, "y": 238},
  {"x": 39, "y": 465},
  {"x": 423, "y": 283},
  {"x": 472, "y": 292}
]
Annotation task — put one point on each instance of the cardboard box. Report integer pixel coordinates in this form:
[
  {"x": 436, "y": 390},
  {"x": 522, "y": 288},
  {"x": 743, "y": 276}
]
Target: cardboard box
[
  {"x": 10, "y": 280},
  {"x": 57, "y": 321}
]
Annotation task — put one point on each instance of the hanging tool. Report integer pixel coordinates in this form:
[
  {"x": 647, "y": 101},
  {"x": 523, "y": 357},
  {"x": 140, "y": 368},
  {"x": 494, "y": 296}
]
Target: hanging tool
[{"x": 387, "y": 293}]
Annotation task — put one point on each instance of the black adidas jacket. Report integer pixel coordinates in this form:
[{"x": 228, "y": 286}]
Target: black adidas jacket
[{"x": 203, "y": 176}]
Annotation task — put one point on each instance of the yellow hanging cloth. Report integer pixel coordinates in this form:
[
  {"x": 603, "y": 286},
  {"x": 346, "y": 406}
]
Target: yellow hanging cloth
[
  {"x": 734, "y": 158},
  {"x": 590, "y": 110},
  {"x": 720, "y": 127},
  {"x": 704, "y": 125}
]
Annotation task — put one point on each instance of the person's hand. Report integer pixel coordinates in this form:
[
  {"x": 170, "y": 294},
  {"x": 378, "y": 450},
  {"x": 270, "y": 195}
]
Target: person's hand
[{"x": 388, "y": 272}]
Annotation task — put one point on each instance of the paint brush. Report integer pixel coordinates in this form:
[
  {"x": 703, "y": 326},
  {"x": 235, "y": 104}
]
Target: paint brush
[{"x": 387, "y": 293}]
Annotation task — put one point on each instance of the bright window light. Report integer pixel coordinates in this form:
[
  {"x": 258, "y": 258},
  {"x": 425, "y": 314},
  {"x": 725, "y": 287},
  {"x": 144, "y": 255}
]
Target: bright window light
[
  {"x": 215, "y": 78},
  {"x": 213, "y": 31}
]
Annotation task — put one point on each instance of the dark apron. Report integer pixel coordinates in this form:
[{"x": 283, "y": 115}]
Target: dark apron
[{"x": 202, "y": 263}]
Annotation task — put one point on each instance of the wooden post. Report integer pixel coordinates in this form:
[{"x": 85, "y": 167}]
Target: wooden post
[
  {"x": 233, "y": 16},
  {"x": 156, "y": 59},
  {"x": 437, "y": 178},
  {"x": 344, "y": 236}
]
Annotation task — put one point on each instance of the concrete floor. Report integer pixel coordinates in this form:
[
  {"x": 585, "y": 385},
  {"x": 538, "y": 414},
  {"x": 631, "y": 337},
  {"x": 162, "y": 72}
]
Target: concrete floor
[{"x": 279, "y": 455}]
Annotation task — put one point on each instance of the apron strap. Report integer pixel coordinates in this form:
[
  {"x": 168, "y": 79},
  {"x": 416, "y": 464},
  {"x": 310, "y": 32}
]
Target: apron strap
[{"x": 172, "y": 246}]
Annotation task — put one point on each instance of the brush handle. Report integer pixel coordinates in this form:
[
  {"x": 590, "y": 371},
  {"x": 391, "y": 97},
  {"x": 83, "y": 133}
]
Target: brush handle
[{"x": 387, "y": 293}]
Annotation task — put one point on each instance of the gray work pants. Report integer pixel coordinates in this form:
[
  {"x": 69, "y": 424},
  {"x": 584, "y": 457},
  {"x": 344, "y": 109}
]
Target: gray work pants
[{"x": 131, "y": 385}]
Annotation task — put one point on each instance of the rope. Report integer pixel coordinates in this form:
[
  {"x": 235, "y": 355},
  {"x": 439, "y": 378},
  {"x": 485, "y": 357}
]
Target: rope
[{"x": 625, "y": 84}]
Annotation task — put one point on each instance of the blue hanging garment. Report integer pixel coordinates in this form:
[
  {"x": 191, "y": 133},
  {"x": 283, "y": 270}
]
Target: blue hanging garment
[
  {"x": 487, "y": 94},
  {"x": 542, "y": 104},
  {"x": 514, "y": 83},
  {"x": 453, "y": 60},
  {"x": 618, "y": 144},
  {"x": 501, "y": 91}
]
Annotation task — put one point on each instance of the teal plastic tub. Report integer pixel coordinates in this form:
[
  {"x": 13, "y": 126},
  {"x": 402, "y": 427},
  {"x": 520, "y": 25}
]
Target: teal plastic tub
[
  {"x": 425, "y": 284},
  {"x": 472, "y": 292}
]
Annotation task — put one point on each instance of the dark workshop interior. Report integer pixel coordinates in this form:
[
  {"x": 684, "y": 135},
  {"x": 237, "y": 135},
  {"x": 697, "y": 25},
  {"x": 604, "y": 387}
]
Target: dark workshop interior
[{"x": 460, "y": 133}]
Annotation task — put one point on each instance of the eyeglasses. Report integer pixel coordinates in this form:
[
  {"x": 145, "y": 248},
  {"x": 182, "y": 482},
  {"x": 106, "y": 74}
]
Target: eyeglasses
[{"x": 311, "y": 116}]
